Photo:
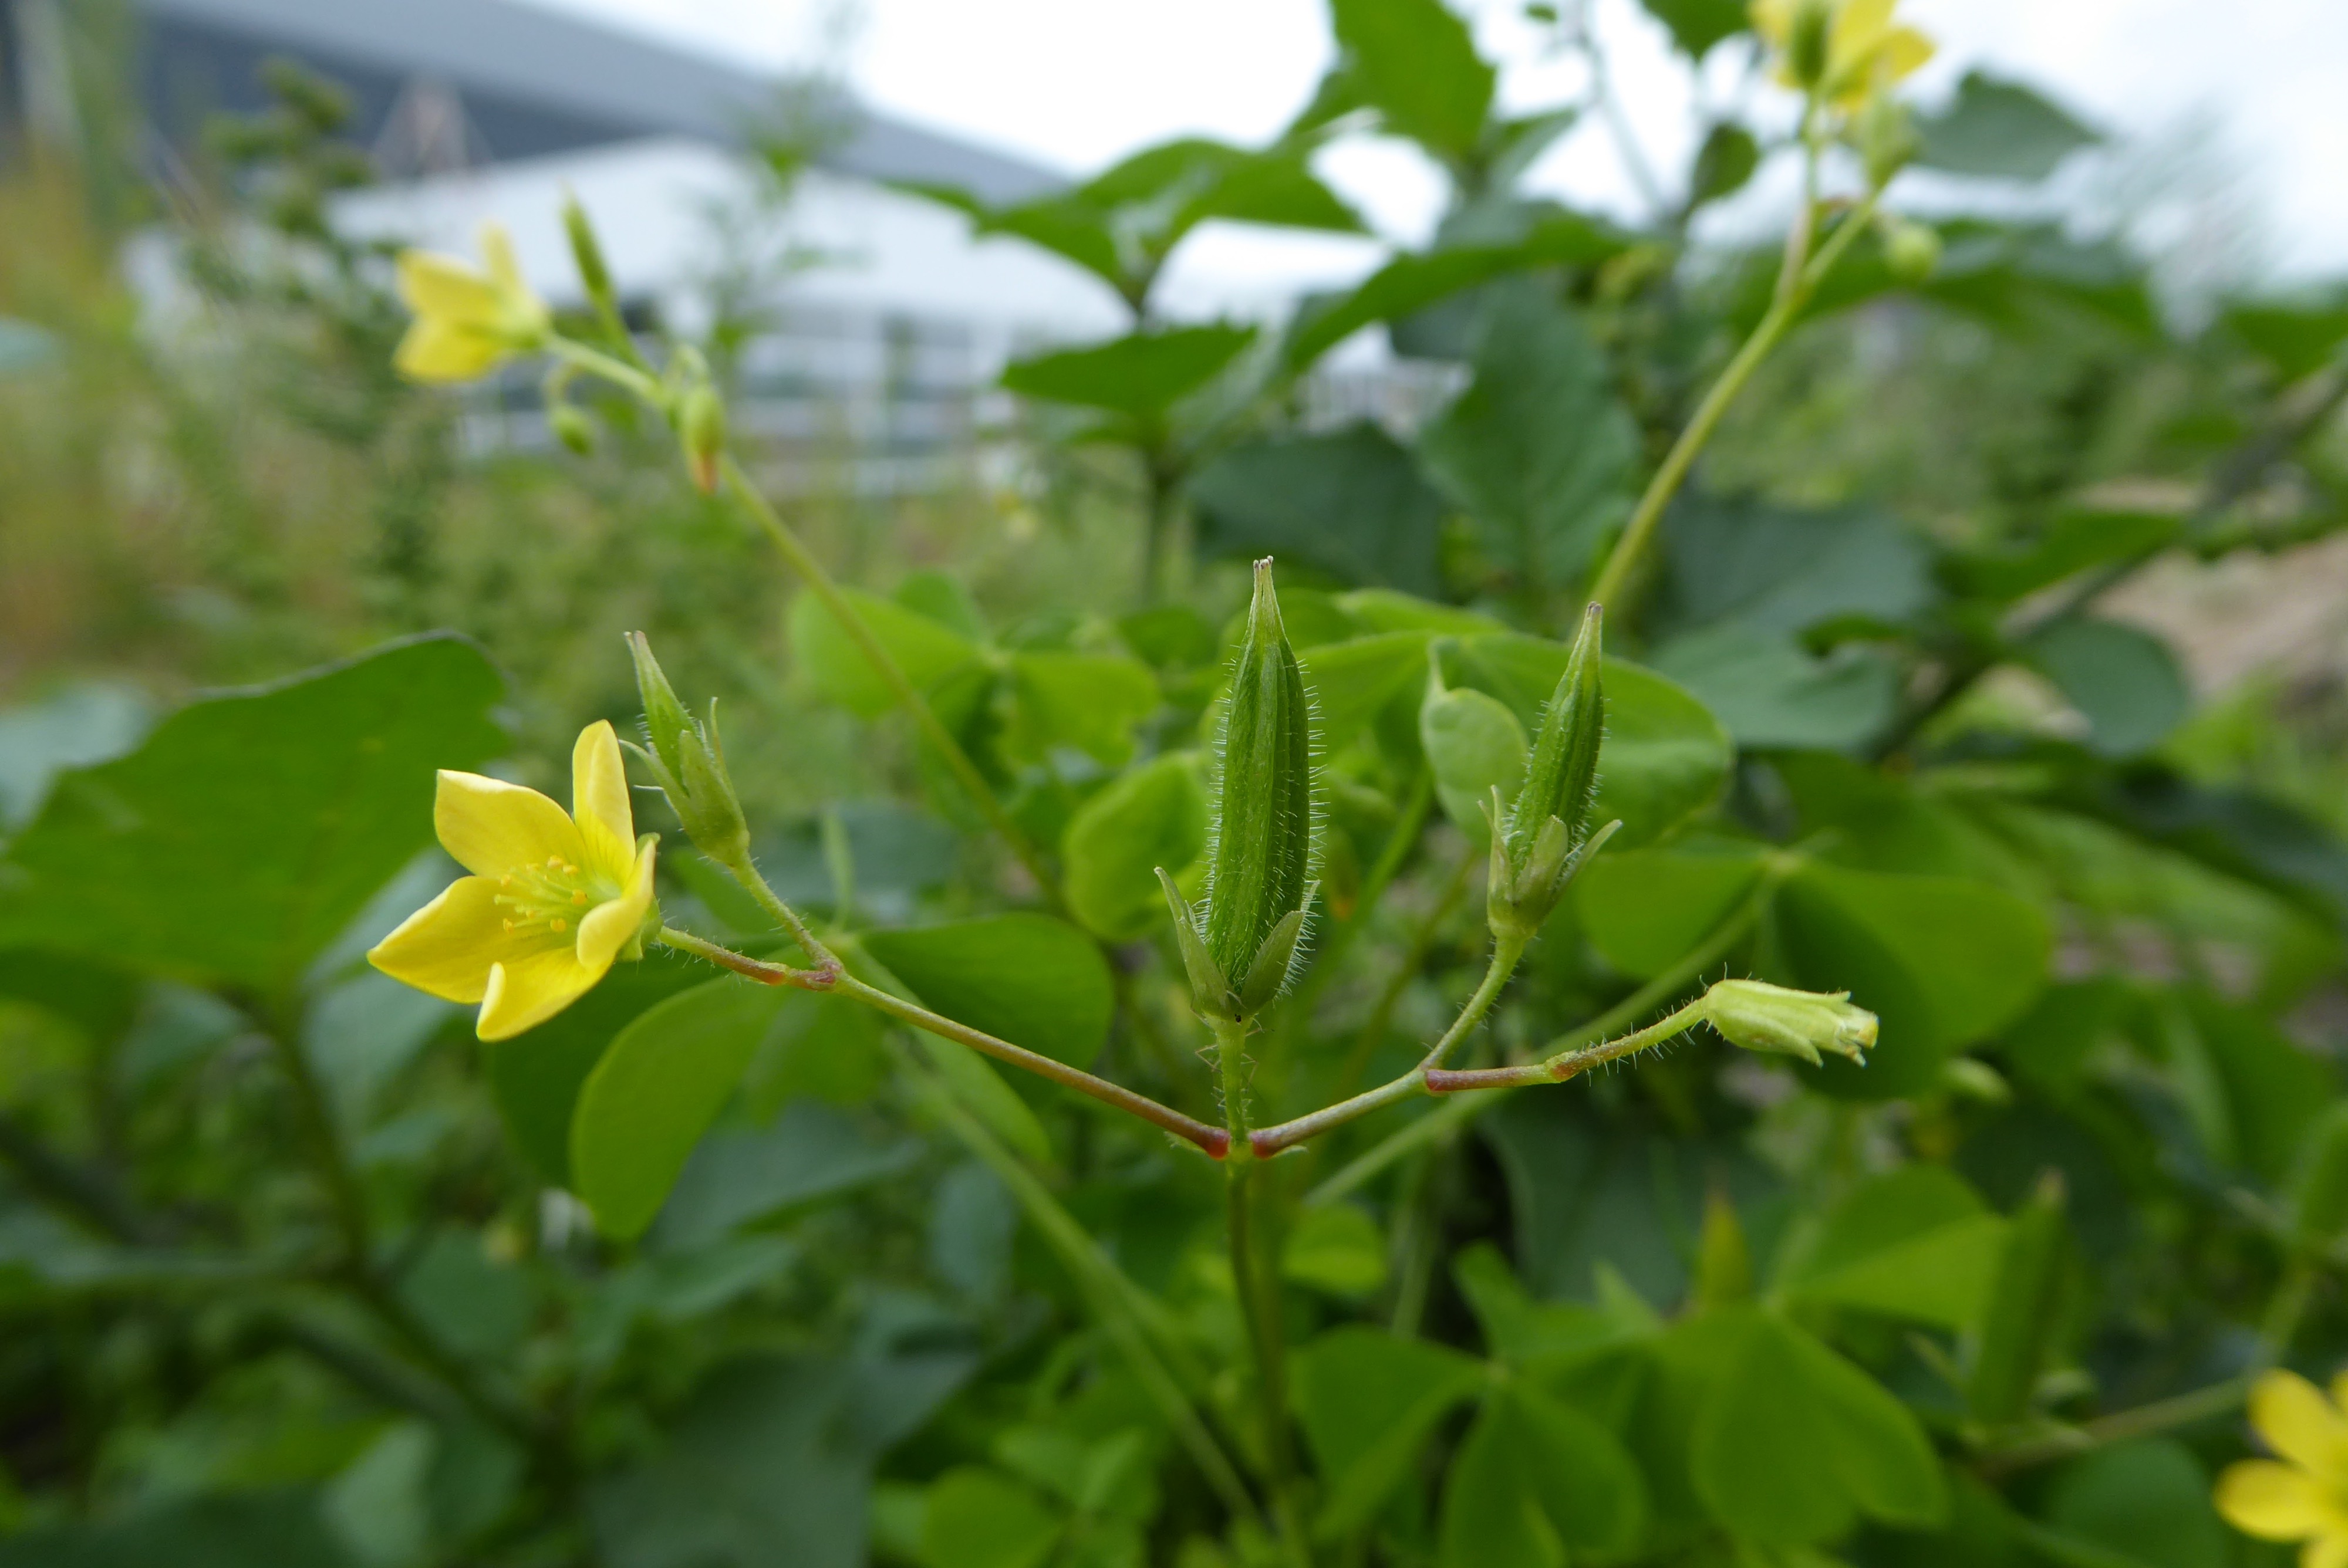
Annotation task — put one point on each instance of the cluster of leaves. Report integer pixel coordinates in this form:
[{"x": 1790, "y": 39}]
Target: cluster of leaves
[{"x": 292, "y": 1271}]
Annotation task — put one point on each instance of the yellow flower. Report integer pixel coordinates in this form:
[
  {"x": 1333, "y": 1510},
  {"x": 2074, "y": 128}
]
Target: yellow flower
[
  {"x": 553, "y": 900},
  {"x": 466, "y": 320},
  {"x": 2302, "y": 1494},
  {"x": 1866, "y": 52}
]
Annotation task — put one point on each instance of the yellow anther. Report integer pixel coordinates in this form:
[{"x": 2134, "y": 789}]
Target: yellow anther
[
  {"x": 580, "y": 897},
  {"x": 554, "y": 863},
  {"x": 561, "y": 923},
  {"x": 510, "y": 925}
]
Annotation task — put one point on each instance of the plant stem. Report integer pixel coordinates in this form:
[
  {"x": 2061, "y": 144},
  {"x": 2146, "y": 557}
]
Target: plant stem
[
  {"x": 1796, "y": 281},
  {"x": 1256, "y": 1280},
  {"x": 1270, "y": 1140},
  {"x": 1450, "y": 1118},
  {"x": 830, "y": 975},
  {"x": 1568, "y": 1063},
  {"x": 803, "y": 561}
]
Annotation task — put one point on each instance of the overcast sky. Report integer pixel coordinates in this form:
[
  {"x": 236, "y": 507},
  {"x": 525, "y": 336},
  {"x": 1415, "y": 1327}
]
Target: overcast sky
[{"x": 2248, "y": 96}]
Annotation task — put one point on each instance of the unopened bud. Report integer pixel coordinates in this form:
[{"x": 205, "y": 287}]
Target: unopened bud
[
  {"x": 1808, "y": 41},
  {"x": 1912, "y": 251},
  {"x": 1546, "y": 836},
  {"x": 701, "y": 431},
  {"x": 689, "y": 762},
  {"x": 1260, "y": 873},
  {"x": 1758, "y": 1016},
  {"x": 1884, "y": 133},
  {"x": 587, "y": 253},
  {"x": 572, "y": 427}
]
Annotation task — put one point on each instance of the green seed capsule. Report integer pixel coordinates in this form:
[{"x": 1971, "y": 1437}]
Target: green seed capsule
[
  {"x": 1562, "y": 778},
  {"x": 1260, "y": 865}
]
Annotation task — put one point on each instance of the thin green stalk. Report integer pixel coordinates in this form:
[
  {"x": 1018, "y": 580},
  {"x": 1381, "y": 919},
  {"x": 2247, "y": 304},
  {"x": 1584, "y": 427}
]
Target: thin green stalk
[
  {"x": 1784, "y": 311},
  {"x": 1269, "y": 1141},
  {"x": 1448, "y": 1120},
  {"x": 1568, "y": 1064},
  {"x": 1104, "y": 1285},
  {"x": 831, "y": 976},
  {"x": 1255, "y": 1279},
  {"x": 803, "y": 561}
]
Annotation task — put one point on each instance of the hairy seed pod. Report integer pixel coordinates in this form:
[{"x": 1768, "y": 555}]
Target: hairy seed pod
[
  {"x": 1562, "y": 777},
  {"x": 689, "y": 762},
  {"x": 701, "y": 430},
  {"x": 1260, "y": 865}
]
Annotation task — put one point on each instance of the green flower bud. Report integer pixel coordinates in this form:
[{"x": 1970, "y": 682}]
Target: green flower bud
[
  {"x": 689, "y": 760},
  {"x": 1259, "y": 865},
  {"x": 1545, "y": 837},
  {"x": 701, "y": 430},
  {"x": 572, "y": 427},
  {"x": 1912, "y": 251},
  {"x": 1758, "y": 1016},
  {"x": 587, "y": 253},
  {"x": 1808, "y": 41},
  {"x": 1884, "y": 133}
]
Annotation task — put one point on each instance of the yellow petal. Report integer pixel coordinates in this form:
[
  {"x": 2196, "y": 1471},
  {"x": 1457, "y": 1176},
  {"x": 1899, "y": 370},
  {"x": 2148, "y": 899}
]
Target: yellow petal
[
  {"x": 1773, "y": 19},
  {"x": 2325, "y": 1551},
  {"x": 2272, "y": 1502},
  {"x": 2300, "y": 1424},
  {"x": 521, "y": 315},
  {"x": 599, "y": 801},
  {"x": 608, "y": 926},
  {"x": 440, "y": 350},
  {"x": 525, "y": 992},
  {"x": 494, "y": 827},
  {"x": 1903, "y": 51},
  {"x": 450, "y": 290},
  {"x": 1857, "y": 25},
  {"x": 447, "y": 947}
]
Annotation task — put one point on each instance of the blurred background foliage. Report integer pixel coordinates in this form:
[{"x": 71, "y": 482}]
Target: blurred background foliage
[{"x": 1999, "y": 631}]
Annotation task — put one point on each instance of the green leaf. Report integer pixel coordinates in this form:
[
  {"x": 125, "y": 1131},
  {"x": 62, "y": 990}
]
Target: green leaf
[
  {"x": 1154, "y": 815},
  {"x": 2072, "y": 541},
  {"x": 2022, "y": 1313},
  {"x": 770, "y": 1463},
  {"x": 828, "y": 658},
  {"x": 1768, "y": 693},
  {"x": 1407, "y": 283},
  {"x": 1354, "y": 680},
  {"x": 1475, "y": 745},
  {"x": 1087, "y": 703},
  {"x": 2000, "y": 129},
  {"x": 1538, "y": 449},
  {"x": 2295, "y": 335},
  {"x": 83, "y": 724},
  {"x": 1781, "y": 569},
  {"x": 656, "y": 1092},
  {"x": 1725, "y": 163},
  {"x": 1415, "y": 63},
  {"x": 1368, "y": 1402},
  {"x": 250, "y": 828},
  {"x": 1027, "y": 979},
  {"x": 535, "y": 1077},
  {"x": 1645, "y": 911},
  {"x": 1665, "y": 757},
  {"x": 2124, "y": 681},
  {"x": 1537, "y": 1484},
  {"x": 1913, "y": 1243},
  {"x": 1793, "y": 1442},
  {"x": 1695, "y": 26},
  {"x": 2268, "y": 1091},
  {"x": 1944, "y": 961},
  {"x": 742, "y": 1177},
  {"x": 982, "y": 1519},
  {"x": 1066, "y": 226},
  {"x": 1349, "y": 504},
  {"x": 1334, "y": 1248},
  {"x": 2147, "y": 1500},
  {"x": 1140, "y": 375}
]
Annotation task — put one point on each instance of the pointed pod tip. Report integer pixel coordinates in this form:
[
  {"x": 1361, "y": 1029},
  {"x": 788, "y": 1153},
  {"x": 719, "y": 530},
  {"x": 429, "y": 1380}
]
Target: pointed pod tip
[{"x": 1264, "y": 607}]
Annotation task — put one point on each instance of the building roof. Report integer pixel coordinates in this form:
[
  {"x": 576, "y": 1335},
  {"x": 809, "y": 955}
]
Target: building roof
[{"x": 534, "y": 79}]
